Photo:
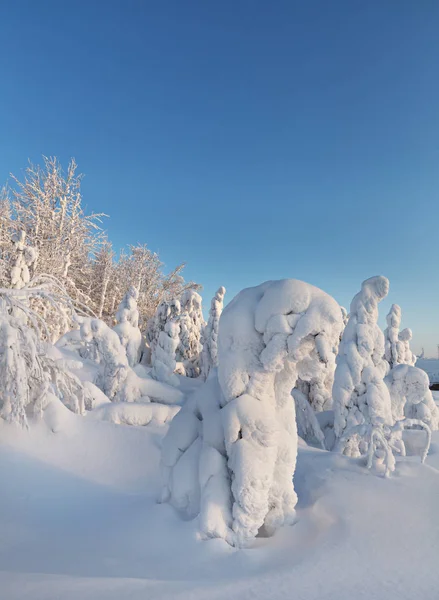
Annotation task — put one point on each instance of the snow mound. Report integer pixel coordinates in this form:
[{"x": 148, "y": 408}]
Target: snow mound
[{"x": 124, "y": 413}]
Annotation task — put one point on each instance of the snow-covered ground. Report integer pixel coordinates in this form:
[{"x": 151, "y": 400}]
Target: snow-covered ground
[{"x": 79, "y": 520}]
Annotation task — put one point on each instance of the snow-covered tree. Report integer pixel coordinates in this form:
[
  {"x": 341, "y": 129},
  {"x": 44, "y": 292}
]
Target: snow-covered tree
[
  {"x": 209, "y": 357},
  {"x": 112, "y": 380},
  {"x": 163, "y": 357},
  {"x": 143, "y": 269},
  {"x": 117, "y": 379},
  {"x": 230, "y": 453},
  {"x": 410, "y": 395},
  {"x": 31, "y": 378},
  {"x": 166, "y": 311},
  {"x": 405, "y": 354},
  {"x": 397, "y": 344},
  {"x": 191, "y": 324},
  {"x": 47, "y": 205},
  {"x": 360, "y": 395},
  {"x": 103, "y": 273},
  {"x": 127, "y": 328},
  {"x": 391, "y": 335}
]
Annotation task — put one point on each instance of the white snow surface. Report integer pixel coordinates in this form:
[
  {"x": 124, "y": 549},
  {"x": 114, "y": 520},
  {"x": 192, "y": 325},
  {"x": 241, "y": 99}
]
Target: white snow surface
[{"x": 79, "y": 520}]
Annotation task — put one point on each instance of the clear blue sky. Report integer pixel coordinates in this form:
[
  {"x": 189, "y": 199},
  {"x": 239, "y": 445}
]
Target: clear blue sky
[{"x": 253, "y": 140}]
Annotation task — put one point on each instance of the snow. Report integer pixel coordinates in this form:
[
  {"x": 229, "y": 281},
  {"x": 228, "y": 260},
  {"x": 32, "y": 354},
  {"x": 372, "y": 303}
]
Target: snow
[{"x": 79, "y": 519}]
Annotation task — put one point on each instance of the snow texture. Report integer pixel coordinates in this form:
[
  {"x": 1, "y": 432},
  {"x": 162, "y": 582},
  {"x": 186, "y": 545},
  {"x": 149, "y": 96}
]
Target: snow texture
[{"x": 230, "y": 453}]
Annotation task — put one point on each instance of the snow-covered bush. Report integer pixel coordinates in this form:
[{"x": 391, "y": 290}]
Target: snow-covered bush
[
  {"x": 127, "y": 328},
  {"x": 230, "y": 453},
  {"x": 163, "y": 357},
  {"x": 209, "y": 357},
  {"x": 410, "y": 395},
  {"x": 191, "y": 324}
]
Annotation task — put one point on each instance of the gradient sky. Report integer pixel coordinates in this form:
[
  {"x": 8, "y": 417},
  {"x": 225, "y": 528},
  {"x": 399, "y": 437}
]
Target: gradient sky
[{"x": 253, "y": 140}]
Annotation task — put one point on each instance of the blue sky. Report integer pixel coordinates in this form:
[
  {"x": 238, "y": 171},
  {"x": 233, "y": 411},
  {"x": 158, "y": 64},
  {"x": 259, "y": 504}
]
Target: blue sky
[{"x": 253, "y": 140}]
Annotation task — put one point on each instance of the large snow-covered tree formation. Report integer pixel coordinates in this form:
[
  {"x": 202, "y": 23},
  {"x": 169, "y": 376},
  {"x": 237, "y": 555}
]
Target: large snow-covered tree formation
[
  {"x": 230, "y": 453},
  {"x": 209, "y": 357}
]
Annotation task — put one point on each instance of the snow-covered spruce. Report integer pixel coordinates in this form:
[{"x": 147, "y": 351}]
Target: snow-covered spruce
[
  {"x": 166, "y": 311},
  {"x": 191, "y": 324},
  {"x": 230, "y": 453},
  {"x": 361, "y": 397},
  {"x": 363, "y": 419},
  {"x": 406, "y": 355},
  {"x": 209, "y": 356},
  {"x": 410, "y": 395},
  {"x": 163, "y": 357},
  {"x": 127, "y": 328},
  {"x": 397, "y": 344},
  {"x": 391, "y": 335}
]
